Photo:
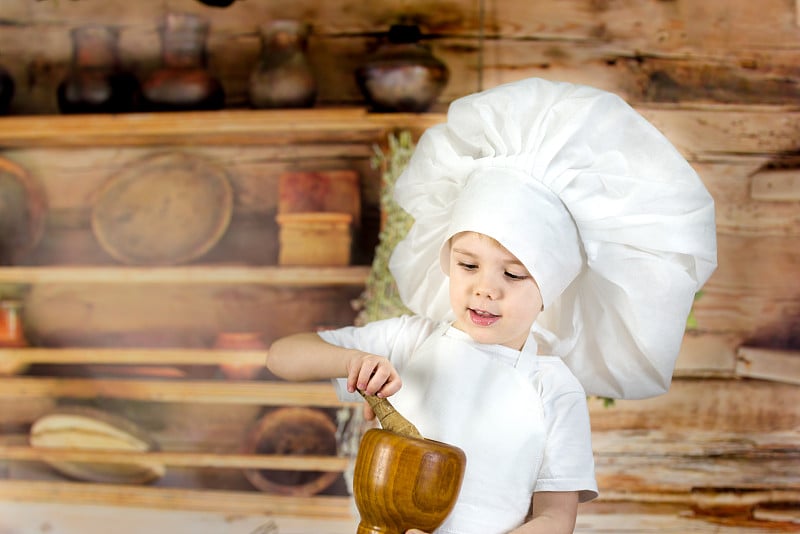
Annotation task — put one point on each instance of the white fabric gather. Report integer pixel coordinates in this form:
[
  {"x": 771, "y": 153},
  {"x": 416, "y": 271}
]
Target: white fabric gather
[{"x": 644, "y": 220}]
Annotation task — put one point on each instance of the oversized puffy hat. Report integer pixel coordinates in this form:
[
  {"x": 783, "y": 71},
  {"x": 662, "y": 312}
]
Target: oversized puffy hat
[{"x": 612, "y": 222}]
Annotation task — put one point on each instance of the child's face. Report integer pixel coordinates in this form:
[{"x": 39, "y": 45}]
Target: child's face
[{"x": 493, "y": 296}]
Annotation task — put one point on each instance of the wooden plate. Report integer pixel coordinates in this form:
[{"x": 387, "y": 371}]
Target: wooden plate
[
  {"x": 22, "y": 212},
  {"x": 165, "y": 209},
  {"x": 86, "y": 428}
]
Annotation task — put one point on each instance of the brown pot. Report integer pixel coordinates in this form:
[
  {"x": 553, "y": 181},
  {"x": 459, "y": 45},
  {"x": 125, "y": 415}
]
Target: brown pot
[
  {"x": 240, "y": 341},
  {"x": 292, "y": 431},
  {"x": 402, "y": 482}
]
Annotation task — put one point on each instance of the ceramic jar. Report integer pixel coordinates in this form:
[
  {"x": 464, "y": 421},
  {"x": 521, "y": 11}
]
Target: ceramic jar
[
  {"x": 240, "y": 341},
  {"x": 95, "y": 82},
  {"x": 12, "y": 334},
  {"x": 183, "y": 82},
  {"x": 402, "y": 75},
  {"x": 296, "y": 430},
  {"x": 283, "y": 77}
]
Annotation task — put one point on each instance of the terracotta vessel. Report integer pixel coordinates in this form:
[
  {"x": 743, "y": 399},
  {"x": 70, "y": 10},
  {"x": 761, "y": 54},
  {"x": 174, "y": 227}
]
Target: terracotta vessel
[
  {"x": 12, "y": 334},
  {"x": 183, "y": 82},
  {"x": 96, "y": 82},
  {"x": 283, "y": 77},
  {"x": 240, "y": 341},
  {"x": 292, "y": 431},
  {"x": 402, "y": 482},
  {"x": 402, "y": 75}
]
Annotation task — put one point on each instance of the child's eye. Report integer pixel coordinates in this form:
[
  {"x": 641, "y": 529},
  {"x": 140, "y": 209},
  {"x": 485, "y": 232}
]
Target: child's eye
[
  {"x": 515, "y": 276},
  {"x": 467, "y": 266}
]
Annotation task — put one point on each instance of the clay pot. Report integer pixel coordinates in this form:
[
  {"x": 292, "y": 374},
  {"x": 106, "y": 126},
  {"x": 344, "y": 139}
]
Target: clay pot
[
  {"x": 283, "y": 77},
  {"x": 402, "y": 75},
  {"x": 12, "y": 334},
  {"x": 292, "y": 431},
  {"x": 183, "y": 82},
  {"x": 96, "y": 82},
  {"x": 240, "y": 341},
  {"x": 402, "y": 482}
]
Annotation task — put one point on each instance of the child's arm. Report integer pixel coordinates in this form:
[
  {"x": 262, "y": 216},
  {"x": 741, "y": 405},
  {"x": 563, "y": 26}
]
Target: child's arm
[
  {"x": 554, "y": 512},
  {"x": 306, "y": 356}
]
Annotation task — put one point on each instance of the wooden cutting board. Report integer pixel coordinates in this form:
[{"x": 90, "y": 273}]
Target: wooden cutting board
[
  {"x": 87, "y": 428},
  {"x": 165, "y": 209}
]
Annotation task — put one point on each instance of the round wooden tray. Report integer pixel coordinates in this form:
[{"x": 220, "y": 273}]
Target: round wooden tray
[
  {"x": 22, "y": 212},
  {"x": 87, "y": 428},
  {"x": 162, "y": 210}
]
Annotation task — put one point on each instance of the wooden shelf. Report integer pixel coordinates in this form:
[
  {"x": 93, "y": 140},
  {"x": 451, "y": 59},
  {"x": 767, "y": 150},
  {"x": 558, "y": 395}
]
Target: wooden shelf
[
  {"x": 195, "y": 391},
  {"x": 243, "y": 127},
  {"x": 206, "y": 274},
  {"x": 177, "y": 458},
  {"x": 323, "y": 506}
]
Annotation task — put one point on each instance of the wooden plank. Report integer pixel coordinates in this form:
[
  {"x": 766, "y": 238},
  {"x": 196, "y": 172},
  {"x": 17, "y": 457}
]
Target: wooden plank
[
  {"x": 263, "y": 393},
  {"x": 712, "y": 405},
  {"x": 777, "y": 185},
  {"x": 204, "y": 274},
  {"x": 178, "y": 315},
  {"x": 178, "y": 458},
  {"x": 757, "y": 297},
  {"x": 705, "y": 354},
  {"x": 251, "y": 127},
  {"x": 322, "y": 507},
  {"x": 769, "y": 364},
  {"x": 123, "y": 356},
  {"x": 20, "y": 517}
]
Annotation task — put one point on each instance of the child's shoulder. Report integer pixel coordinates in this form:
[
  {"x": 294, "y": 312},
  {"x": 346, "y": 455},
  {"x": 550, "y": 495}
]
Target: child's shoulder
[{"x": 555, "y": 378}]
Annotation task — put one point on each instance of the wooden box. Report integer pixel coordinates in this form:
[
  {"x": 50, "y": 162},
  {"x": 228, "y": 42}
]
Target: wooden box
[{"x": 318, "y": 238}]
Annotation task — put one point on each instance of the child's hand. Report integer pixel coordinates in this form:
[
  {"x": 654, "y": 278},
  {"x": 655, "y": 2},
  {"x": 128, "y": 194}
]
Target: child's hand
[
  {"x": 374, "y": 375},
  {"x": 415, "y": 531}
]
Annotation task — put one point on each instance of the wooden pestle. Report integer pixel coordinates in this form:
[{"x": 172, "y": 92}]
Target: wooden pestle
[{"x": 390, "y": 418}]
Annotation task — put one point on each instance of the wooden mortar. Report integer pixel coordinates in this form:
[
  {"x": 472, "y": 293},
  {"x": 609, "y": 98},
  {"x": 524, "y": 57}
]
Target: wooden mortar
[{"x": 401, "y": 479}]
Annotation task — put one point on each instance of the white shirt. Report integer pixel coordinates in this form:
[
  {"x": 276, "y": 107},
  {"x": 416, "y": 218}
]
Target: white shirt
[{"x": 545, "y": 444}]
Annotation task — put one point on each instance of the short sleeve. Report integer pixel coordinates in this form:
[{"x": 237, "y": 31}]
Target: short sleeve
[
  {"x": 568, "y": 463},
  {"x": 395, "y": 338}
]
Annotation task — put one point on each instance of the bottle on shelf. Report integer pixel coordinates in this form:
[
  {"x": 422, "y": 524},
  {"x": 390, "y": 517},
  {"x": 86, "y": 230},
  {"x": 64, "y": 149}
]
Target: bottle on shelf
[
  {"x": 283, "y": 77},
  {"x": 96, "y": 83},
  {"x": 183, "y": 82}
]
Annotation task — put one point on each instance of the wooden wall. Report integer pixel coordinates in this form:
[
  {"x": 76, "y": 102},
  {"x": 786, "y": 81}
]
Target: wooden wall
[{"x": 721, "y": 78}]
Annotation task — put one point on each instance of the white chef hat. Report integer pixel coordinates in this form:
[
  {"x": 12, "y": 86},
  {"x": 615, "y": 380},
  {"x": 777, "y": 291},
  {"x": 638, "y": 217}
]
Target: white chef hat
[{"x": 611, "y": 221}]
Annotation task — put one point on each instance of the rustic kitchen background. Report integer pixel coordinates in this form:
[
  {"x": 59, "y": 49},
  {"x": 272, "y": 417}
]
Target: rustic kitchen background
[{"x": 122, "y": 334}]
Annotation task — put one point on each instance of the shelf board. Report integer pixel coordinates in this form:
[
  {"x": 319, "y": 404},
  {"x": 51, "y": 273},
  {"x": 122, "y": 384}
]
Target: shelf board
[
  {"x": 318, "y": 506},
  {"x": 272, "y": 393},
  {"x": 245, "y": 127},
  {"x": 177, "y": 458},
  {"x": 205, "y": 274},
  {"x": 129, "y": 356}
]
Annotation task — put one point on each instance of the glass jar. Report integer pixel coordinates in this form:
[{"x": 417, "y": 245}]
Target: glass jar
[
  {"x": 183, "y": 82},
  {"x": 283, "y": 77},
  {"x": 95, "y": 82},
  {"x": 12, "y": 334},
  {"x": 402, "y": 75}
]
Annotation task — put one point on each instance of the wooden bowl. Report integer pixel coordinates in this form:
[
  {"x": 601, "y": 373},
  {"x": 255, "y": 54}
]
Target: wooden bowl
[
  {"x": 165, "y": 209},
  {"x": 401, "y": 482}
]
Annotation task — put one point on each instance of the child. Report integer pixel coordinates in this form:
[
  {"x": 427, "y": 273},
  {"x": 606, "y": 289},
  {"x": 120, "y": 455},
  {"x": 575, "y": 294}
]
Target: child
[{"x": 557, "y": 245}]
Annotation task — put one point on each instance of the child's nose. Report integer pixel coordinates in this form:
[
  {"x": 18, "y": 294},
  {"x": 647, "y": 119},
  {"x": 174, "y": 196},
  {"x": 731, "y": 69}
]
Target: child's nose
[{"x": 487, "y": 286}]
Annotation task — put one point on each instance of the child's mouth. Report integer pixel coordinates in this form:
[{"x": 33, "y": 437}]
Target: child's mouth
[{"x": 482, "y": 318}]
